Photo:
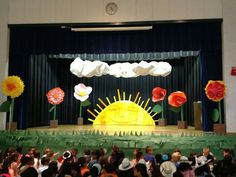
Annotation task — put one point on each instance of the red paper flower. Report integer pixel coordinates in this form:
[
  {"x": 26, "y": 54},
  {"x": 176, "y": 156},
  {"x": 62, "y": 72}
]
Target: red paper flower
[
  {"x": 158, "y": 94},
  {"x": 55, "y": 96},
  {"x": 215, "y": 90},
  {"x": 177, "y": 99}
]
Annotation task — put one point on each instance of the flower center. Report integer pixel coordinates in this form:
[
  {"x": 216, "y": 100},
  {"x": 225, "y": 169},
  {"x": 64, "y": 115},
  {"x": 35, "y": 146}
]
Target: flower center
[
  {"x": 82, "y": 93},
  {"x": 55, "y": 95},
  {"x": 11, "y": 86}
]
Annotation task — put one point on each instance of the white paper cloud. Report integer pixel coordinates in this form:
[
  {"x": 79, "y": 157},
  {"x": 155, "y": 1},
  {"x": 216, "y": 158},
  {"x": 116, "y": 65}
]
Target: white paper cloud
[{"x": 87, "y": 68}]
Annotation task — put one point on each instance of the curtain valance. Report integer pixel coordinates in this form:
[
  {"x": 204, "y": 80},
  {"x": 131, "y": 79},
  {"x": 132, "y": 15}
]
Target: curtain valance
[{"x": 128, "y": 56}]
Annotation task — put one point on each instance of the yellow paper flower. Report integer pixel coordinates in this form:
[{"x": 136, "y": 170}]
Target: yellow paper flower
[{"x": 13, "y": 86}]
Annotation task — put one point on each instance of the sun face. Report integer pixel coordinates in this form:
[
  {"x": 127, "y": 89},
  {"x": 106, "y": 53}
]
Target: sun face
[{"x": 123, "y": 112}]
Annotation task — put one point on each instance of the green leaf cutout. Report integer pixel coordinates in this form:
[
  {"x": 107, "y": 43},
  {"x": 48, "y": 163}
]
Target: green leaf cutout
[
  {"x": 215, "y": 115},
  {"x": 157, "y": 108},
  {"x": 51, "y": 109},
  {"x": 5, "y": 106},
  {"x": 174, "y": 109},
  {"x": 85, "y": 103}
]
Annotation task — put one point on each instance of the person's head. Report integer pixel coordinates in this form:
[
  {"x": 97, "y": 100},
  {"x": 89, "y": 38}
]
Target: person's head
[
  {"x": 139, "y": 156},
  {"x": 82, "y": 161},
  {"x": 178, "y": 174},
  {"x": 175, "y": 157},
  {"x": 31, "y": 151},
  {"x": 53, "y": 166},
  {"x": 96, "y": 154},
  {"x": 227, "y": 152},
  {"x": 177, "y": 150},
  {"x": 136, "y": 151},
  {"x": 27, "y": 160},
  {"x": 149, "y": 150},
  {"x": 115, "y": 149},
  {"x": 45, "y": 160},
  {"x": 47, "y": 150},
  {"x": 184, "y": 166},
  {"x": 125, "y": 165},
  {"x": 140, "y": 170},
  {"x": 206, "y": 151},
  {"x": 109, "y": 168},
  {"x": 74, "y": 152}
]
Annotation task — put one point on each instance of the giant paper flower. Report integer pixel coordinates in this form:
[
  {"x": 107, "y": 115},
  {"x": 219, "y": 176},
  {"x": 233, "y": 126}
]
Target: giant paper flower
[
  {"x": 13, "y": 86},
  {"x": 158, "y": 94},
  {"x": 215, "y": 90},
  {"x": 177, "y": 99},
  {"x": 82, "y": 92},
  {"x": 55, "y": 96}
]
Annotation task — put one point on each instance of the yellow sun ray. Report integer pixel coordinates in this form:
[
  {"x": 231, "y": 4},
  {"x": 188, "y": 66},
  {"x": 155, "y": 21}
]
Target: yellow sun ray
[
  {"x": 114, "y": 97},
  {"x": 91, "y": 113},
  {"x": 148, "y": 109},
  {"x": 118, "y": 93},
  {"x": 141, "y": 103},
  {"x": 139, "y": 100},
  {"x": 123, "y": 95},
  {"x": 136, "y": 97},
  {"x": 99, "y": 107},
  {"x": 102, "y": 102},
  {"x": 96, "y": 111},
  {"x": 154, "y": 114},
  {"x": 146, "y": 103},
  {"x": 108, "y": 100},
  {"x": 91, "y": 120},
  {"x": 130, "y": 97}
]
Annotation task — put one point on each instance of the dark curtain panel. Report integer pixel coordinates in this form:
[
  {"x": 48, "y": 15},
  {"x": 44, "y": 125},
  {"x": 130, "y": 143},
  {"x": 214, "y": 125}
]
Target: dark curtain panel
[
  {"x": 45, "y": 40},
  {"x": 46, "y": 73}
]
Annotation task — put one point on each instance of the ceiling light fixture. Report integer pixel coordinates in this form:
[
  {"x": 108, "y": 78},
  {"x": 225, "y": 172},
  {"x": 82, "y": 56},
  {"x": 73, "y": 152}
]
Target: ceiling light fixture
[{"x": 120, "y": 28}]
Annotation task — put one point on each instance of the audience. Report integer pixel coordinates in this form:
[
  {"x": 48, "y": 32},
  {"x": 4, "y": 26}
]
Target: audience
[{"x": 13, "y": 163}]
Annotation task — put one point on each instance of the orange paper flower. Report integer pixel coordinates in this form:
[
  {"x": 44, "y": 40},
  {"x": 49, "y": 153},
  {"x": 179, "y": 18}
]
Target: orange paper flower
[
  {"x": 177, "y": 99},
  {"x": 55, "y": 96},
  {"x": 158, "y": 94},
  {"x": 215, "y": 90}
]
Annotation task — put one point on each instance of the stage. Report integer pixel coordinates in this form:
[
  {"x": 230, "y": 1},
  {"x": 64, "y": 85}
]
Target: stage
[{"x": 162, "y": 139}]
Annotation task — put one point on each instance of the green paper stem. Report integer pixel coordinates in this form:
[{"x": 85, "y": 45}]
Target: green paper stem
[
  {"x": 219, "y": 107},
  {"x": 162, "y": 110},
  {"x": 182, "y": 113},
  {"x": 54, "y": 112},
  {"x": 80, "y": 109},
  {"x": 11, "y": 113}
]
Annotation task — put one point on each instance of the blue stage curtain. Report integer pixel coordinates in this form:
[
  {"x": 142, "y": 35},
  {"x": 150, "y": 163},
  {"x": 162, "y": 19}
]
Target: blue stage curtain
[
  {"x": 205, "y": 37},
  {"x": 46, "y": 73}
]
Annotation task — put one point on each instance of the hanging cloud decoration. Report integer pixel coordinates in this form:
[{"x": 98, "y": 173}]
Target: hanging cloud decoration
[{"x": 87, "y": 68}]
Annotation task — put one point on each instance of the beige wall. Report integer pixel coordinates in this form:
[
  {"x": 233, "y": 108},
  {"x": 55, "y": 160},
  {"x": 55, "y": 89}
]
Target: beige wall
[
  {"x": 59, "y": 11},
  {"x": 78, "y": 11},
  {"x": 4, "y": 11},
  {"x": 229, "y": 60}
]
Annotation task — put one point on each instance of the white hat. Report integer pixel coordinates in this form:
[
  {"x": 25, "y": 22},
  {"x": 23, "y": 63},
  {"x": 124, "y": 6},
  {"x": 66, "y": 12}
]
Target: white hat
[
  {"x": 66, "y": 155},
  {"x": 184, "y": 159},
  {"x": 125, "y": 165},
  {"x": 202, "y": 160},
  {"x": 167, "y": 168},
  {"x": 142, "y": 161}
]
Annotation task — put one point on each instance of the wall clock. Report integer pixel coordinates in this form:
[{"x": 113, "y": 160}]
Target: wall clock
[{"x": 111, "y": 8}]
